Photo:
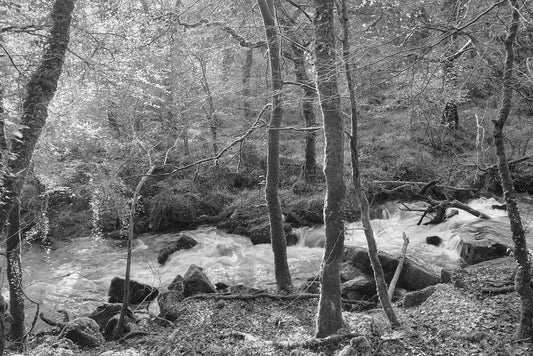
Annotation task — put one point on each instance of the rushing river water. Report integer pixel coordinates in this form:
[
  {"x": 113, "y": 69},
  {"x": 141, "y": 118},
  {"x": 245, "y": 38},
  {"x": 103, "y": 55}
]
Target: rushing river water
[{"x": 75, "y": 275}]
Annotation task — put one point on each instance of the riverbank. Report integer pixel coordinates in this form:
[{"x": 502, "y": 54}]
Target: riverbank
[{"x": 457, "y": 319}]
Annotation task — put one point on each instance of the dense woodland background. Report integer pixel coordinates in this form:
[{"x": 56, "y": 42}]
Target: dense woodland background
[{"x": 179, "y": 95}]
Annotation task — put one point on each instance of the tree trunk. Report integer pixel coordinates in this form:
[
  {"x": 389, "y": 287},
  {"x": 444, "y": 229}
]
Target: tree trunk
[
  {"x": 210, "y": 110},
  {"x": 14, "y": 277},
  {"x": 329, "y": 318},
  {"x": 121, "y": 324},
  {"x": 246, "y": 88},
  {"x": 310, "y": 168},
  {"x": 39, "y": 92},
  {"x": 523, "y": 275},
  {"x": 379, "y": 276},
  {"x": 277, "y": 235}
]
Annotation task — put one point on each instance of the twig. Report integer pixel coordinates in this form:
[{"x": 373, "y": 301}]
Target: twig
[
  {"x": 399, "y": 268},
  {"x": 314, "y": 343}
]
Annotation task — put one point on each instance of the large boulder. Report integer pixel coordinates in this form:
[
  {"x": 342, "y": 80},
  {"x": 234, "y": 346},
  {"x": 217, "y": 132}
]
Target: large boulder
[
  {"x": 484, "y": 243},
  {"x": 260, "y": 234},
  {"x": 183, "y": 242},
  {"x": 139, "y": 292},
  {"x": 416, "y": 274},
  {"x": 196, "y": 282}
]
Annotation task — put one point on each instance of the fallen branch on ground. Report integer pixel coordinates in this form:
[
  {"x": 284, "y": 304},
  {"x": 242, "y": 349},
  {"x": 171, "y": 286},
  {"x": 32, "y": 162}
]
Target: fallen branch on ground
[
  {"x": 498, "y": 290},
  {"x": 399, "y": 268},
  {"x": 313, "y": 344}
]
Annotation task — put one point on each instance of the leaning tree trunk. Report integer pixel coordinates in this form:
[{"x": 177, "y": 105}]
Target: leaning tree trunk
[
  {"x": 379, "y": 276},
  {"x": 39, "y": 92},
  {"x": 277, "y": 235},
  {"x": 523, "y": 275},
  {"x": 329, "y": 318}
]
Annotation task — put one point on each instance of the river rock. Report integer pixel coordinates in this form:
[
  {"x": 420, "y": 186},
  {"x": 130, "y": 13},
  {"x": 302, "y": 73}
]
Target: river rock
[
  {"x": 176, "y": 284},
  {"x": 105, "y": 312},
  {"x": 433, "y": 240},
  {"x": 416, "y": 274},
  {"x": 139, "y": 292},
  {"x": 169, "y": 302},
  {"x": 349, "y": 272},
  {"x": 260, "y": 234},
  {"x": 414, "y": 299},
  {"x": 84, "y": 332},
  {"x": 483, "y": 243},
  {"x": 361, "y": 287},
  {"x": 183, "y": 242},
  {"x": 195, "y": 282}
]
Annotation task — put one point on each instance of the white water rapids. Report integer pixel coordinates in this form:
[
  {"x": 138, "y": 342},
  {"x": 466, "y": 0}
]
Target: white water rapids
[{"x": 75, "y": 275}]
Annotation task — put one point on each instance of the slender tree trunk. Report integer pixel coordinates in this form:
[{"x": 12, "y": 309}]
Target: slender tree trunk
[
  {"x": 329, "y": 318},
  {"x": 523, "y": 275},
  {"x": 246, "y": 88},
  {"x": 210, "y": 110},
  {"x": 310, "y": 168},
  {"x": 14, "y": 277},
  {"x": 117, "y": 332},
  {"x": 277, "y": 235},
  {"x": 379, "y": 276}
]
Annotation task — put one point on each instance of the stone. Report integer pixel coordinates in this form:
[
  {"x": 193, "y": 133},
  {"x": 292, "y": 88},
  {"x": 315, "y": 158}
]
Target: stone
[
  {"x": 416, "y": 298},
  {"x": 260, "y": 234},
  {"x": 361, "y": 287},
  {"x": 105, "y": 312},
  {"x": 183, "y": 242},
  {"x": 139, "y": 292},
  {"x": 348, "y": 272},
  {"x": 483, "y": 243},
  {"x": 84, "y": 332},
  {"x": 176, "y": 284},
  {"x": 196, "y": 282},
  {"x": 169, "y": 302},
  {"x": 416, "y": 274},
  {"x": 434, "y": 240}
]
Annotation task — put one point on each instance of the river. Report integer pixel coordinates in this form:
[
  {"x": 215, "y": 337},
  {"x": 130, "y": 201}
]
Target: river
[{"x": 75, "y": 275}]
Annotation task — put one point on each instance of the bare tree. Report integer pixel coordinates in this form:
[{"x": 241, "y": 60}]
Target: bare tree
[
  {"x": 523, "y": 275},
  {"x": 277, "y": 235},
  {"x": 329, "y": 318}
]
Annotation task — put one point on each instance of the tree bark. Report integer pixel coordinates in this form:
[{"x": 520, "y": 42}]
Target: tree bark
[
  {"x": 523, "y": 275},
  {"x": 379, "y": 275},
  {"x": 246, "y": 87},
  {"x": 277, "y": 235},
  {"x": 310, "y": 168},
  {"x": 14, "y": 277},
  {"x": 329, "y": 317},
  {"x": 210, "y": 110},
  {"x": 39, "y": 92}
]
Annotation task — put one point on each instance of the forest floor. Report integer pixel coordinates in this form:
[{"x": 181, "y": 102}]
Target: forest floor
[{"x": 456, "y": 320}]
